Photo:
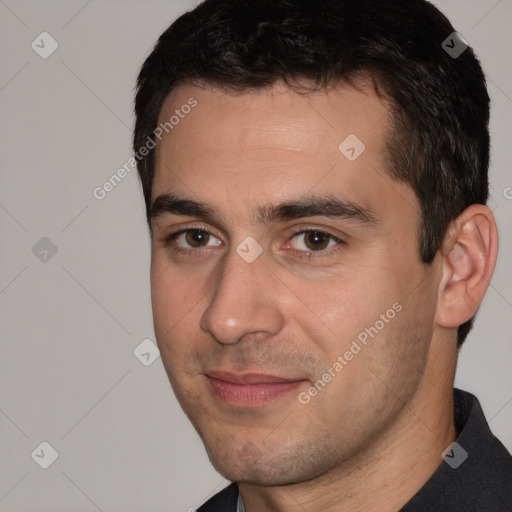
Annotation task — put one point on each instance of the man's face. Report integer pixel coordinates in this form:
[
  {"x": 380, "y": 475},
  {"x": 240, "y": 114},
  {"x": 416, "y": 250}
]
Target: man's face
[{"x": 247, "y": 326}]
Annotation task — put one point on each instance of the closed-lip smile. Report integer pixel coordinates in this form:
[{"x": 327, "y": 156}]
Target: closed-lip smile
[{"x": 250, "y": 389}]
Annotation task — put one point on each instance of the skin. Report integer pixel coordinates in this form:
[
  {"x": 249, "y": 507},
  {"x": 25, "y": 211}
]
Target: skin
[{"x": 374, "y": 434}]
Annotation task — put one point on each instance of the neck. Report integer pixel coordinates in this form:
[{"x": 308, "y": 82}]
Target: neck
[{"x": 390, "y": 471}]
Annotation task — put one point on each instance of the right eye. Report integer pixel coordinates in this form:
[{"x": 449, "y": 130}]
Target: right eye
[{"x": 190, "y": 239}]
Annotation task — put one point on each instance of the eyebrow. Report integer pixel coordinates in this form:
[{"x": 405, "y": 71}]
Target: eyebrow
[{"x": 308, "y": 206}]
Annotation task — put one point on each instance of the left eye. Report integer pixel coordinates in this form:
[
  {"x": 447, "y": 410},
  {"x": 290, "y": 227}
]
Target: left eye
[{"x": 315, "y": 240}]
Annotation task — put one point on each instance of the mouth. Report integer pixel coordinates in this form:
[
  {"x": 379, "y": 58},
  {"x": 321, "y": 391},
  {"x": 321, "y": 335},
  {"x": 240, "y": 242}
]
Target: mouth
[{"x": 250, "y": 389}]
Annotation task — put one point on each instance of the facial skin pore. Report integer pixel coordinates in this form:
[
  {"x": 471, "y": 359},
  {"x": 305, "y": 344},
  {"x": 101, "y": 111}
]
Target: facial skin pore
[{"x": 374, "y": 434}]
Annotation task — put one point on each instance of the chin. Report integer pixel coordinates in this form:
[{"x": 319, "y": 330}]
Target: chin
[{"x": 269, "y": 467}]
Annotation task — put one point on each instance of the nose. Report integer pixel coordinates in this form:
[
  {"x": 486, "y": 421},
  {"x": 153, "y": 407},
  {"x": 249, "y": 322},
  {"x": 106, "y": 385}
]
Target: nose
[{"x": 243, "y": 302}]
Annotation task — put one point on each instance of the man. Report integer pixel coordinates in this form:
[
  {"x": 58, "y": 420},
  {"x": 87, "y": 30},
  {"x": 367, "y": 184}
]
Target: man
[{"x": 315, "y": 176}]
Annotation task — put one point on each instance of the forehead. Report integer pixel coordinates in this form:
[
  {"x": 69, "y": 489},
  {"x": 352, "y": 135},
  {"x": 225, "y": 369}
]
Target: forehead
[
  {"x": 276, "y": 118},
  {"x": 274, "y": 144}
]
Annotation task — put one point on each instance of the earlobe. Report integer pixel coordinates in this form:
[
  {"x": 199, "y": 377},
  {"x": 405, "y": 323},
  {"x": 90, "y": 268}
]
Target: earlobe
[{"x": 468, "y": 257}]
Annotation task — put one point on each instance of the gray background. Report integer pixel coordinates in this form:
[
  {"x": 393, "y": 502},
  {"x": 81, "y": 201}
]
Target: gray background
[{"x": 70, "y": 324}]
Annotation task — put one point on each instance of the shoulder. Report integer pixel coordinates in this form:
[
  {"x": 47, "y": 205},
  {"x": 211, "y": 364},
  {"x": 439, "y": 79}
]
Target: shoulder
[
  {"x": 224, "y": 501},
  {"x": 476, "y": 475}
]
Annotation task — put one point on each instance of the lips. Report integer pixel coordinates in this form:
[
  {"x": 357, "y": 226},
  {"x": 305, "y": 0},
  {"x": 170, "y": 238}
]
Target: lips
[
  {"x": 250, "y": 389},
  {"x": 249, "y": 378}
]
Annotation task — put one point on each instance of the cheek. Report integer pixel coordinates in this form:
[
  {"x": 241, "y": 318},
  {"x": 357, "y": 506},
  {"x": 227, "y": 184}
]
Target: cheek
[
  {"x": 174, "y": 290},
  {"x": 176, "y": 301},
  {"x": 347, "y": 303},
  {"x": 366, "y": 313}
]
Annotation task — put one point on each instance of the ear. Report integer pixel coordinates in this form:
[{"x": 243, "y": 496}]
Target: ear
[{"x": 468, "y": 257}]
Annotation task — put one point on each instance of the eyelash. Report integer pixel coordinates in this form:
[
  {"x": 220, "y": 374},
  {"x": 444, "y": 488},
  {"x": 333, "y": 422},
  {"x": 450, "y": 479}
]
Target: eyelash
[{"x": 168, "y": 240}]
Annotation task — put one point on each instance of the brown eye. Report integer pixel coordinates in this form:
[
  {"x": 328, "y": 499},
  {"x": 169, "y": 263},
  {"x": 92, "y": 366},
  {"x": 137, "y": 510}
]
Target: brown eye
[
  {"x": 197, "y": 237},
  {"x": 316, "y": 240}
]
